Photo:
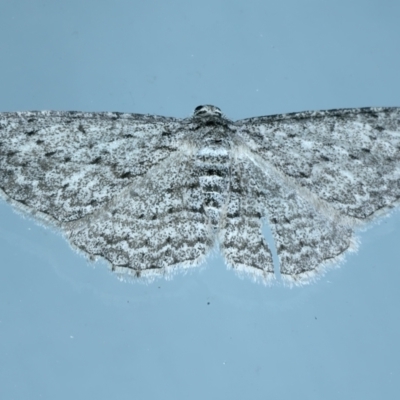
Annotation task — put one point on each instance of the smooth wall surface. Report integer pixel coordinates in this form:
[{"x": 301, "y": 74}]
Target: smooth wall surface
[{"x": 71, "y": 331}]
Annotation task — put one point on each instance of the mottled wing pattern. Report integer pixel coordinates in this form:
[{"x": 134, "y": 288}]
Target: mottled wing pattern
[
  {"x": 241, "y": 240},
  {"x": 150, "y": 227},
  {"x": 62, "y": 166},
  {"x": 349, "y": 158},
  {"x": 150, "y": 193},
  {"x": 332, "y": 170},
  {"x": 114, "y": 183}
]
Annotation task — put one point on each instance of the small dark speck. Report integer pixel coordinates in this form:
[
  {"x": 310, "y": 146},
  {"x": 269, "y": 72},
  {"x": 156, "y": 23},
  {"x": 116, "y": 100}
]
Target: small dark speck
[
  {"x": 39, "y": 142},
  {"x": 96, "y": 160},
  {"x": 81, "y": 129},
  {"x": 126, "y": 175},
  {"x": 315, "y": 317},
  {"x": 208, "y": 303},
  {"x": 50, "y": 153},
  {"x": 30, "y": 133},
  {"x": 380, "y": 128}
]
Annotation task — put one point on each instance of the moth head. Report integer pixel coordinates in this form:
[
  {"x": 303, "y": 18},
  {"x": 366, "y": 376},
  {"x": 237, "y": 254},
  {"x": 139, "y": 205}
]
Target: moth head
[{"x": 207, "y": 111}]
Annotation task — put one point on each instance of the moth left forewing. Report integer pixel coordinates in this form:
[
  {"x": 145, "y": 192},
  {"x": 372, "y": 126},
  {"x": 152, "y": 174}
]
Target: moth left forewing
[{"x": 64, "y": 165}]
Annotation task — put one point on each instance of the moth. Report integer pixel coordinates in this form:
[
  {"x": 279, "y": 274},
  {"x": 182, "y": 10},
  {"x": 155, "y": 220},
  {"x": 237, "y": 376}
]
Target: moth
[{"x": 153, "y": 195}]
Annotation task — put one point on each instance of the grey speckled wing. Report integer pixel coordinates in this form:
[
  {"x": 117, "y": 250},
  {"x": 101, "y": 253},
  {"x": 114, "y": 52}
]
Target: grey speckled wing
[
  {"x": 115, "y": 184},
  {"x": 152, "y": 195},
  {"x": 151, "y": 226},
  {"x": 62, "y": 166},
  {"x": 335, "y": 170},
  {"x": 348, "y": 158}
]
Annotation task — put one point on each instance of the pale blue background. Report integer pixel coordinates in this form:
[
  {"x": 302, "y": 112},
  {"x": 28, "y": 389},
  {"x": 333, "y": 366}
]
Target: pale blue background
[{"x": 70, "y": 331}]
